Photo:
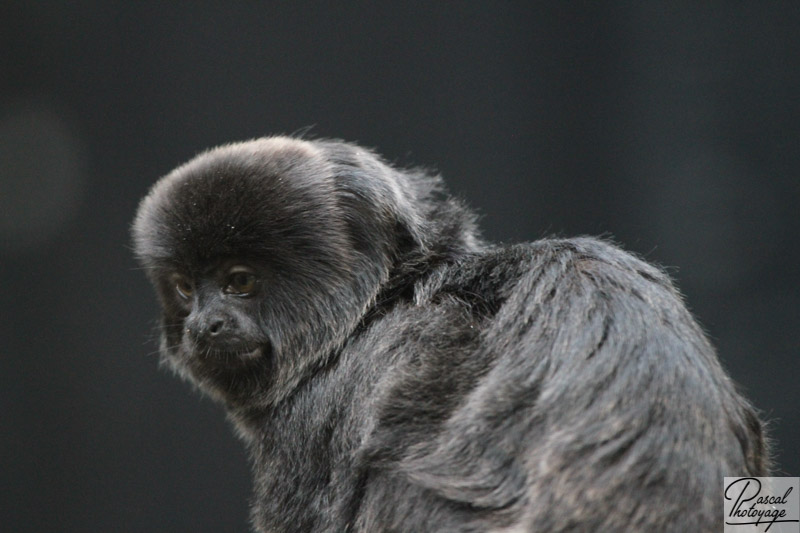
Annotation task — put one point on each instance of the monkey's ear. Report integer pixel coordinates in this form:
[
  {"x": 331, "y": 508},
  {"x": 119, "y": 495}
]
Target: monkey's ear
[{"x": 382, "y": 205}]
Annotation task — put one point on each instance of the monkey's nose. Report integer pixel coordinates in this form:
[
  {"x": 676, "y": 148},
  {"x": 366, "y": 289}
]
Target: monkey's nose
[
  {"x": 216, "y": 327},
  {"x": 207, "y": 328}
]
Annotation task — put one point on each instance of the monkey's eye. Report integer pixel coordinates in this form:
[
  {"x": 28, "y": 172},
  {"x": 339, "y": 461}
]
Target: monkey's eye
[
  {"x": 241, "y": 281},
  {"x": 183, "y": 286}
]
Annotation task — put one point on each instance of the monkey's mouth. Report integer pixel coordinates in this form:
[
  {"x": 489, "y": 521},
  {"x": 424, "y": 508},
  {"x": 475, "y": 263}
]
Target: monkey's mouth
[
  {"x": 255, "y": 353},
  {"x": 230, "y": 355}
]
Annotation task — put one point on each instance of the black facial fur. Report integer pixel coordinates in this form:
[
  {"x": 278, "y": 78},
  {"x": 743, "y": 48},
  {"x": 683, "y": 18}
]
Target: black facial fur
[{"x": 390, "y": 371}]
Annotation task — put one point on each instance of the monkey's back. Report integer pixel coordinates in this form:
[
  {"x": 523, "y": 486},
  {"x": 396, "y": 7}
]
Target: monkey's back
[{"x": 559, "y": 385}]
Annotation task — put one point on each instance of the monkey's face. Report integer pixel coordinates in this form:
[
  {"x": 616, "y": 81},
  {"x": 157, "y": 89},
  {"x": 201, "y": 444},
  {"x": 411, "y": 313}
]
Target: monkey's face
[
  {"x": 215, "y": 315},
  {"x": 264, "y": 258}
]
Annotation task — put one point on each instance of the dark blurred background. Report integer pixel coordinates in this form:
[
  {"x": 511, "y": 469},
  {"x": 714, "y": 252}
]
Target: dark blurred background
[{"x": 671, "y": 129}]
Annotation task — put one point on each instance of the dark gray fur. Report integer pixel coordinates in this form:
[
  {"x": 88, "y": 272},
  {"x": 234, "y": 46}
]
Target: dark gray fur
[{"x": 393, "y": 372}]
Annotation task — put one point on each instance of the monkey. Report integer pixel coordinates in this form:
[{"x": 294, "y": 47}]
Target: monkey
[{"x": 390, "y": 370}]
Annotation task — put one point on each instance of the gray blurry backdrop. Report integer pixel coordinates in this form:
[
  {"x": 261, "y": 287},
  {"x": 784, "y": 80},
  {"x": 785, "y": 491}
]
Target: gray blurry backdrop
[{"x": 671, "y": 129}]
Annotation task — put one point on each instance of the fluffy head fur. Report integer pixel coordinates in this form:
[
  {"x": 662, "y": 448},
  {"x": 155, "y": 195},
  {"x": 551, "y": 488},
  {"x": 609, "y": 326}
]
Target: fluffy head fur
[{"x": 392, "y": 372}]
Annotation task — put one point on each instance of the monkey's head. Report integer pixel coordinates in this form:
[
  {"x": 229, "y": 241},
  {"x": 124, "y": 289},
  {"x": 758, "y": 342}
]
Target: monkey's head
[{"x": 265, "y": 256}]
